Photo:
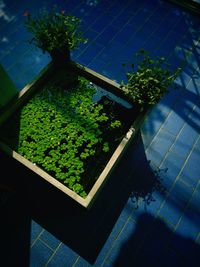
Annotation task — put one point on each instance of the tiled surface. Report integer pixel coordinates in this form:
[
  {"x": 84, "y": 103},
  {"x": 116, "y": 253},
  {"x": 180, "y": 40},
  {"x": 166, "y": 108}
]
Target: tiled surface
[{"x": 155, "y": 219}]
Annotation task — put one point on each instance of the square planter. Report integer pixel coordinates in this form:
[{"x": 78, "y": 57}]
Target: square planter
[{"x": 35, "y": 86}]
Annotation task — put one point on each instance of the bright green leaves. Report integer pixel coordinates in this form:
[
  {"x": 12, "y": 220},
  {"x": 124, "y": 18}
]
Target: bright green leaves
[
  {"x": 115, "y": 124},
  {"x": 60, "y": 130},
  {"x": 53, "y": 30},
  {"x": 106, "y": 147},
  {"x": 150, "y": 82}
]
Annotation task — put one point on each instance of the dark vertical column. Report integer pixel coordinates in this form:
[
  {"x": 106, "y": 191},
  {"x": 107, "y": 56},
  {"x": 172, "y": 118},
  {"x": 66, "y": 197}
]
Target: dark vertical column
[{"x": 7, "y": 87}]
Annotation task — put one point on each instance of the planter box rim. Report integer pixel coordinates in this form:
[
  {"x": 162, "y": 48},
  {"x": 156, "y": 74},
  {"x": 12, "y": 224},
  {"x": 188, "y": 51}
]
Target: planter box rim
[{"x": 119, "y": 151}]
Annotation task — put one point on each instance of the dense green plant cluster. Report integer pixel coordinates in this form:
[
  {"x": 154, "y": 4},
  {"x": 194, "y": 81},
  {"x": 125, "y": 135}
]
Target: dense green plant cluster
[
  {"x": 148, "y": 80},
  {"x": 52, "y": 30},
  {"x": 61, "y": 129}
]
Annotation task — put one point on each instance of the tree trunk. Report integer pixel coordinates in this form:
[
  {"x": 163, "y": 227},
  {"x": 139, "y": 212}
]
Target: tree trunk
[{"x": 60, "y": 56}]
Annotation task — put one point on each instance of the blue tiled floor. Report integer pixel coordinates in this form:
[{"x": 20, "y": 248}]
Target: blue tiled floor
[{"x": 153, "y": 218}]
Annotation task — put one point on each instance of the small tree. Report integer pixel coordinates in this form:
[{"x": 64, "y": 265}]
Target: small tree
[{"x": 55, "y": 33}]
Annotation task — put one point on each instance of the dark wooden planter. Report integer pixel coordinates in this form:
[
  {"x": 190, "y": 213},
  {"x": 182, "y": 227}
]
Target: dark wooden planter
[{"x": 26, "y": 94}]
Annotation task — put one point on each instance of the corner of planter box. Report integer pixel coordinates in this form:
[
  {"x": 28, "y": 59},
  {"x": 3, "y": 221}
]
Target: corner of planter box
[{"x": 92, "y": 195}]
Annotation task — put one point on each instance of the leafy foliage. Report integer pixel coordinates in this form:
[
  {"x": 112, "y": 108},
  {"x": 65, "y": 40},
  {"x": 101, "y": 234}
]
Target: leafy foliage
[
  {"x": 60, "y": 130},
  {"x": 52, "y": 30},
  {"x": 148, "y": 80}
]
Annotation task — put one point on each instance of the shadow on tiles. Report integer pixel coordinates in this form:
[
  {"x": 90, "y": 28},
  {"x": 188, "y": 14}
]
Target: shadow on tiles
[
  {"x": 15, "y": 223},
  {"x": 146, "y": 178},
  {"x": 154, "y": 244},
  {"x": 84, "y": 231}
]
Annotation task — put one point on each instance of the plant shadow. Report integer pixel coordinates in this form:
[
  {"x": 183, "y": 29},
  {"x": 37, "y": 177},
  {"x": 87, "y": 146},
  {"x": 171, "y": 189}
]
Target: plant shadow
[
  {"x": 153, "y": 243},
  {"x": 15, "y": 223},
  {"x": 86, "y": 231},
  {"x": 147, "y": 181}
]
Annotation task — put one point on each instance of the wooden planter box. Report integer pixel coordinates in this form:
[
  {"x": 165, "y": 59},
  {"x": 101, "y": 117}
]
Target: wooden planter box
[{"x": 26, "y": 94}]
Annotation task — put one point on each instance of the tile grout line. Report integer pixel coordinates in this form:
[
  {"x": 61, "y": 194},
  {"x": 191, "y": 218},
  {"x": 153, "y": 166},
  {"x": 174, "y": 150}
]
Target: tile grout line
[
  {"x": 187, "y": 56},
  {"x": 76, "y": 261},
  {"x": 16, "y": 42},
  {"x": 176, "y": 138},
  {"x": 170, "y": 31},
  {"x": 46, "y": 244},
  {"x": 113, "y": 244},
  {"x": 179, "y": 221},
  {"x": 168, "y": 223},
  {"x": 148, "y": 234},
  {"x": 138, "y": 29},
  {"x": 36, "y": 239},
  {"x": 53, "y": 254},
  {"x": 99, "y": 33},
  {"x": 24, "y": 70},
  {"x": 156, "y": 28},
  {"x": 176, "y": 179},
  {"x": 127, "y": 23},
  {"x": 155, "y": 136},
  {"x": 161, "y": 127},
  {"x": 17, "y": 61},
  {"x": 129, "y": 218},
  {"x": 186, "y": 183},
  {"x": 194, "y": 192}
]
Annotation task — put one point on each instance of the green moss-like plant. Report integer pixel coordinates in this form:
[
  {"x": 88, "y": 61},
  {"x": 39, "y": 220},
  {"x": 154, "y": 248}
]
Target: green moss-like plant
[{"x": 62, "y": 129}]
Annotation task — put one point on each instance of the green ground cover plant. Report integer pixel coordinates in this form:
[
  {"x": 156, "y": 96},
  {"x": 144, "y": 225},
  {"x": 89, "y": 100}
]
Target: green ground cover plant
[{"x": 64, "y": 132}]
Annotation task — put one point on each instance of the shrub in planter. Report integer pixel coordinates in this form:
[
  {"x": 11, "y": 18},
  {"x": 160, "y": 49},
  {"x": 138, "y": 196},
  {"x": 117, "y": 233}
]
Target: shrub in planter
[
  {"x": 148, "y": 80},
  {"x": 55, "y": 33}
]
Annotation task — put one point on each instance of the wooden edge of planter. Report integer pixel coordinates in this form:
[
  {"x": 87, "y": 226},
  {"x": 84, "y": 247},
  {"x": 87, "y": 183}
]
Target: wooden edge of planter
[
  {"x": 119, "y": 152},
  {"x": 42, "y": 174},
  {"x": 122, "y": 147},
  {"x": 29, "y": 89},
  {"x": 99, "y": 79},
  {"x": 32, "y": 86},
  {"x": 89, "y": 200}
]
